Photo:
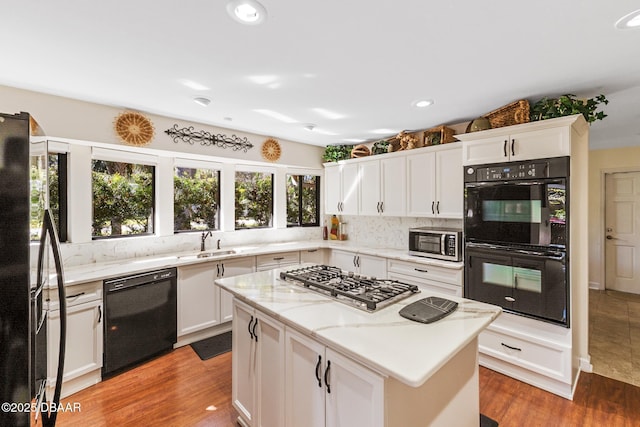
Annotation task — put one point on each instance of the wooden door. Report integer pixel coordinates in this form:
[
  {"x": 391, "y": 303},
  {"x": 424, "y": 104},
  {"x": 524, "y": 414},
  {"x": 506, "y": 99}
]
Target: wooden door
[{"x": 622, "y": 231}]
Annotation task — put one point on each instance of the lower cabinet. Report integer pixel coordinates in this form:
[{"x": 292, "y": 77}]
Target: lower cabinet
[
  {"x": 324, "y": 388},
  {"x": 230, "y": 268},
  {"x": 315, "y": 256},
  {"x": 277, "y": 260},
  {"x": 258, "y": 369},
  {"x": 83, "y": 355},
  {"x": 368, "y": 265},
  {"x": 429, "y": 278}
]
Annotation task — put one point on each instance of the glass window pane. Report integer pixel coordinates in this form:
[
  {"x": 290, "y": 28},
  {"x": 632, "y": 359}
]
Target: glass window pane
[
  {"x": 253, "y": 200},
  {"x": 293, "y": 201},
  {"x": 310, "y": 198},
  {"x": 196, "y": 199},
  {"x": 123, "y": 198},
  {"x": 303, "y": 200}
]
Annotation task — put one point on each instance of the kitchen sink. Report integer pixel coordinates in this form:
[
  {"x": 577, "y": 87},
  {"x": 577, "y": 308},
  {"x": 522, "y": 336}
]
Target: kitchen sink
[{"x": 215, "y": 253}]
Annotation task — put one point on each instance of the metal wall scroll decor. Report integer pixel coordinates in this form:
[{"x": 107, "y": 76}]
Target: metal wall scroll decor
[{"x": 191, "y": 136}]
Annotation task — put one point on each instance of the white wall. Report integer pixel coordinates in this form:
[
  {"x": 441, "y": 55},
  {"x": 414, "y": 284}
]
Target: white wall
[{"x": 601, "y": 162}]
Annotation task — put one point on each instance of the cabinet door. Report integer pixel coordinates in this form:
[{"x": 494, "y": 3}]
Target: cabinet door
[
  {"x": 305, "y": 392},
  {"x": 449, "y": 183},
  {"x": 343, "y": 260},
  {"x": 198, "y": 305},
  {"x": 370, "y": 198},
  {"x": 83, "y": 344},
  {"x": 332, "y": 189},
  {"x": 486, "y": 150},
  {"x": 421, "y": 187},
  {"x": 554, "y": 142},
  {"x": 350, "y": 189},
  {"x": 355, "y": 395},
  {"x": 270, "y": 371},
  {"x": 393, "y": 186},
  {"x": 243, "y": 359},
  {"x": 372, "y": 266},
  {"x": 230, "y": 268}
]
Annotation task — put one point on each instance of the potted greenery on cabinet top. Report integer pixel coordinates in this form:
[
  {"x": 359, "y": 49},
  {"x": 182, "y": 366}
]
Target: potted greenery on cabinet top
[
  {"x": 334, "y": 153},
  {"x": 566, "y": 105}
]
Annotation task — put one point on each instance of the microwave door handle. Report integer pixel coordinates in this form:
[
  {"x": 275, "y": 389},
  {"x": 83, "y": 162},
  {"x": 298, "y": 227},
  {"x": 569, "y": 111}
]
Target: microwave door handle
[{"x": 443, "y": 239}]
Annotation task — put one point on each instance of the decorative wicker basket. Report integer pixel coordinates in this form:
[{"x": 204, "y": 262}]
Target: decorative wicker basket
[
  {"x": 438, "y": 135},
  {"x": 511, "y": 114}
]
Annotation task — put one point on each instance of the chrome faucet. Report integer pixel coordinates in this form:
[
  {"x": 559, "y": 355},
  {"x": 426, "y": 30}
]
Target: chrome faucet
[
  {"x": 218, "y": 244},
  {"x": 203, "y": 238}
]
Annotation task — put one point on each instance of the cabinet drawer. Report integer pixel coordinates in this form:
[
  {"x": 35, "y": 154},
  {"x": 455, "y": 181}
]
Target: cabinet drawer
[
  {"x": 428, "y": 286},
  {"x": 277, "y": 259},
  {"x": 427, "y": 272},
  {"x": 552, "y": 361},
  {"x": 76, "y": 294}
]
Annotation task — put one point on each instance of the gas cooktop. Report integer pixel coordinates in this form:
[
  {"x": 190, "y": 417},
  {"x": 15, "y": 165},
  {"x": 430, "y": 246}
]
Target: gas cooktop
[{"x": 365, "y": 293}]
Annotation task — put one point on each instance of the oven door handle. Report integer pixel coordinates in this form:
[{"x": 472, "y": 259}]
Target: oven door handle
[{"x": 545, "y": 254}]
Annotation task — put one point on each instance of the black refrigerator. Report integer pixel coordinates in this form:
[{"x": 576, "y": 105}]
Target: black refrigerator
[{"x": 26, "y": 225}]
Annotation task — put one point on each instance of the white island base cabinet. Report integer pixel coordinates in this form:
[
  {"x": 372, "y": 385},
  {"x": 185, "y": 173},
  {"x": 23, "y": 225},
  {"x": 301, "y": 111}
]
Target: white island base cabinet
[
  {"x": 283, "y": 377},
  {"x": 258, "y": 379}
]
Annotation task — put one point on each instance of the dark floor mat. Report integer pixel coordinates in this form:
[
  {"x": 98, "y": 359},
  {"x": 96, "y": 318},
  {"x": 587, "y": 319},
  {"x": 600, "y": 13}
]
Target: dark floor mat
[
  {"x": 487, "y": 422},
  {"x": 211, "y": 347}
]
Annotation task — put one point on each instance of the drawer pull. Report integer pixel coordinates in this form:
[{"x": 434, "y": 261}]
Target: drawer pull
[
  {"x": 279, "y": 258},
  {"x": 421, "y": 270},
  {"x": 511, "y": 348},
  {"x": 74, "y": 295},
  {"x": 312, "y": 250}
]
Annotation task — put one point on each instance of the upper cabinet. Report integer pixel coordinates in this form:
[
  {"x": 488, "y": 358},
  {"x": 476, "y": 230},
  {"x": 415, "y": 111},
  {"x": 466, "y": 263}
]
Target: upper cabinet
[
  {"x": 434, "y": 182},
  {"x": 536, "y": 140},
  {"x": 382, "y": 187},
  {"x": 341, "y": 189}
]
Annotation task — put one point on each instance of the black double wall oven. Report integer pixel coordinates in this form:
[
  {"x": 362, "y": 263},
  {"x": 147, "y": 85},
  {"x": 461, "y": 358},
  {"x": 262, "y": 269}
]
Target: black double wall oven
[{"x": 516, "y": 226}]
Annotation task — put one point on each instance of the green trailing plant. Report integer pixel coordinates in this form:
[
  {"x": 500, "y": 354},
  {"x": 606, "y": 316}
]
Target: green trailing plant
[
  {"x": 380, "y": 147},
  {"x": 566, "y": 105},
  {"x": 334, "y": 153}
]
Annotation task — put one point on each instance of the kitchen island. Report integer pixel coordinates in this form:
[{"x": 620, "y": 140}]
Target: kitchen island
[{"x": 300, "y": 358}]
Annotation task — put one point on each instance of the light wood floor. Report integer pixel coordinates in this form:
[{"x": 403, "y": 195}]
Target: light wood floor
[
  {"x": 614, "y": 335},
  {"x": 178, "y": 389}
]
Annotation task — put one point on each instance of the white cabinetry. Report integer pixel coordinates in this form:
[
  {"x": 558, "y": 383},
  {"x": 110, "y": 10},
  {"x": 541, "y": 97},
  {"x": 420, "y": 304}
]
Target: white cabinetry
[
  {"x": 383, "y": 186},
  {"x": 522, "y": 142},
  {"x": 198, "y": 298},
  {"x": 342, "y": 182},
  {"x": 83, "y": 355},
  {"x": 315, "y": 256},
  {"x": 258, "y": 367},
  {"x": 430, "y": 278},
  {"x": 230, "y": 268},
  {"x": 435, "y": 182},
  {"x": 324, "y": 388},
  {"x": 368, "y": 265},
  {"x": 277, "y": 260}
]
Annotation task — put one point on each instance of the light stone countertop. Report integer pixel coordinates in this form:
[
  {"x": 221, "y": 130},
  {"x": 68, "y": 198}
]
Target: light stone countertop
[
  {"x": 383, "y": 340},
  {"x": 99, "y": 271}
]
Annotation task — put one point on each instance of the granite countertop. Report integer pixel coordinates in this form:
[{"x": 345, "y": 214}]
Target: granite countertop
[
  {"x": 100, "y": 271},
  {"x": 383, "y": 341}
]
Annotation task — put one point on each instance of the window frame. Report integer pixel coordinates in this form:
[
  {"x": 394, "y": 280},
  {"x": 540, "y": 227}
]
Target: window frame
[
  {"x": 118, "y": 156},
  {"x": 255, "y": 169},
  {"x": 199, "y": 164},
  {"x": 300, "y": 176}
]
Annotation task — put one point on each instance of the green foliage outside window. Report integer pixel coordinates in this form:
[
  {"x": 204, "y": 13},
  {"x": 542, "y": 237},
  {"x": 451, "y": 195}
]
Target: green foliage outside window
[
  {"x": 302, "y": 200},
  {"x": 253, "y": 200},
  {"x": 123, "y": 202},
  {"x": 195, "y": 199}
]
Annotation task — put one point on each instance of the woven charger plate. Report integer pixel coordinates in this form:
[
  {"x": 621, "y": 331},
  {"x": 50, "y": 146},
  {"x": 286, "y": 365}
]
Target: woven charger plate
[
  {"x": 134, "y": 128},
  {"x": 271, "y": 150}
]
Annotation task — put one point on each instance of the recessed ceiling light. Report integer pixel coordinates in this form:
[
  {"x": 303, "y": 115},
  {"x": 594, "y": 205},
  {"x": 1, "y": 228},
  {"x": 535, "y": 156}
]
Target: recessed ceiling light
[
  {"x": 276, "y": 115},
  {"x": 310, "y": 127},
  {"x": 629, "y": 21},
  {"x": 228, "y": 119},
  {"x": 248, "y": 12},
  {"x": 202, "y": 101},
  {"x": 193, "y": 85},
  {"x": 422, "y": 103}
]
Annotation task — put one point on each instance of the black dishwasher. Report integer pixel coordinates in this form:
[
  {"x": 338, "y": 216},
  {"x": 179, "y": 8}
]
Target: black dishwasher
[{"x": 140, "y": 318}]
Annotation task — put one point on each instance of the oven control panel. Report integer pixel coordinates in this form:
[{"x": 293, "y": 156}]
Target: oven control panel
[{"x": 534, "y": 169}]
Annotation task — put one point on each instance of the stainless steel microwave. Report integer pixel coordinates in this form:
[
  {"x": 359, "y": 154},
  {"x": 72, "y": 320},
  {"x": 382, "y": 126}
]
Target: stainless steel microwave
[{"x": 439, "y": 243}]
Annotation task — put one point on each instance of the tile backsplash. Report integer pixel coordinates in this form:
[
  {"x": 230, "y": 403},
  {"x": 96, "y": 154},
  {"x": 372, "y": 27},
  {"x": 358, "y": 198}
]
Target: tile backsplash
[
  {"x": 388, "y": 232},
  {"x": 379, "y": 232}
]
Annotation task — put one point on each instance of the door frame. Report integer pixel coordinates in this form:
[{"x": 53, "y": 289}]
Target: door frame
[{"x": 601, "y": 235}]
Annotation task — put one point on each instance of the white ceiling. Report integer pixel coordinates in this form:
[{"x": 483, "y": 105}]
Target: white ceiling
[{"x": 365, "y": 60}]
